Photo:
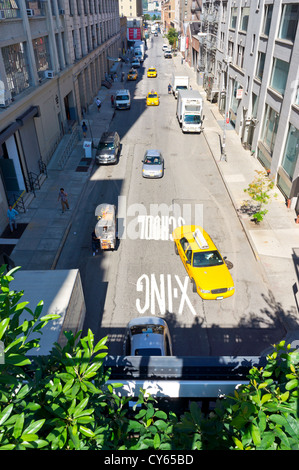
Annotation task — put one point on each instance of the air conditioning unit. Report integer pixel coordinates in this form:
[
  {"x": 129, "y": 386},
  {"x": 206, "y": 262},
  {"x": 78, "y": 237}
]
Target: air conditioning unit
[
  {"x": 62, "y": 12},
  {"x": 49, "y": 74},
  {"x": 30, "y": 12}
]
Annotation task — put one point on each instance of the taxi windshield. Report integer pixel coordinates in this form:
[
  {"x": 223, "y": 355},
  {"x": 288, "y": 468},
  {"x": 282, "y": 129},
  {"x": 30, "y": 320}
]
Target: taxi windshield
[
  {"x": 151, "y": 70},
  {"x": 152, "y": 95},
  {"x": 207, "y": 258}
]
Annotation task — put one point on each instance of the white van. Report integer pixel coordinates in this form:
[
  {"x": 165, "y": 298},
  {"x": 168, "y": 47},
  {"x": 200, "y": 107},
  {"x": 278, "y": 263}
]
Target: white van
[{"x": 122, "y": 99}]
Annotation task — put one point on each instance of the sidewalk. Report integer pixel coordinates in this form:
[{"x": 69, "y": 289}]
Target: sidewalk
[
  {"x": 40, "y": 245},
  {"x": 275, "y": 241}
]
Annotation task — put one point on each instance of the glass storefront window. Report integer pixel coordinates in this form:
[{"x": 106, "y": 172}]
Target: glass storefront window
[
  {"x": 279, "y": 75},
  {"x": 291, "y": 151},
  {"x": 16, "y": 67}
]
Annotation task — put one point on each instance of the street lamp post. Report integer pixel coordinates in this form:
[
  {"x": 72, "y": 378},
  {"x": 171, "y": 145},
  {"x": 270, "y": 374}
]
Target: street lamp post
[{"x": 227, "y": 60}]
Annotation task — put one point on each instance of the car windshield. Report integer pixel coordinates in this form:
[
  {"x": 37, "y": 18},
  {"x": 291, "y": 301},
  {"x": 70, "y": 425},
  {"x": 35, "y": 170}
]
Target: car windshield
[
  {"x": 207, "y": 258},
  {"x": 144, "y": 329},
  {"x": 152, "y": 95},
  {"x": 106, "y": 146},
  {"x": 151, "y": 70},
  {"x": 181, "y": 87},
  {"x": 122, "y": 97},
  {"x": 190, "y": 118},
  {"x": 152, "y": 160},
  {"x": 148, "y": 352}
]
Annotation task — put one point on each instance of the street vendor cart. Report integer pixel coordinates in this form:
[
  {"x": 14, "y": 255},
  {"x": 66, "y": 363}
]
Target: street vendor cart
[{"x": 105, "y": 228}]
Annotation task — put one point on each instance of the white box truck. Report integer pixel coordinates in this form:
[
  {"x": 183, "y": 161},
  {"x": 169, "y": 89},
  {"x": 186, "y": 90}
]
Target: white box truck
[
  {"x": 179, "y": 82},
  {"x": 139, "y": 49},
  {"x": 190, "y": 110},
  {"x": 62, "y": 293}
]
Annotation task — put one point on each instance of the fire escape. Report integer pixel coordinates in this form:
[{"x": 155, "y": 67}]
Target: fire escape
[
  {"x": 196, "y": 9},
  {"x": 210, "y": 23}
]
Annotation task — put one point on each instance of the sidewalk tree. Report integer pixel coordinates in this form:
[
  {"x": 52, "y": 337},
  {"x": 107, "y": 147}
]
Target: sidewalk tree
[
  {"x": 63, "y": 401},
  {"x": 259, "y": 190},
  {"x": 172, "y": 37}
]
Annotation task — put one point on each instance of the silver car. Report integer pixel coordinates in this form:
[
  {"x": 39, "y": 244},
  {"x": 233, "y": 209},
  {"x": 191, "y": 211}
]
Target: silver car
[
  {"x": 153, "y": 164},
  {"x": 147, "y": 336}
]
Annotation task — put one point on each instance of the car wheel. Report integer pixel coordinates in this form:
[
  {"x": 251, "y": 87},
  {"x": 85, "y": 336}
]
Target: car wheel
[
  {"x": 194, "y": 286},
  {"x": 176, "y": 249}
]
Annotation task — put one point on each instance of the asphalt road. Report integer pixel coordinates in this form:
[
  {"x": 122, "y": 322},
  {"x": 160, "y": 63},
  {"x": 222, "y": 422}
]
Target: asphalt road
[{"x": 144, "y": 276}]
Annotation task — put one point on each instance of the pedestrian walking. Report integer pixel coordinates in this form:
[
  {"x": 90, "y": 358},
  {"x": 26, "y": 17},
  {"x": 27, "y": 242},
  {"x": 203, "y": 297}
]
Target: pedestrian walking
[
  {"x": 94, "y": 243},
  {"x": 169, "y": 88},
  {"x": 112, "y": 101},
  {"x": 11, "y": 215},
  {"x": 84, "y": 128},
  {"x": 64, "y": 199},
  {"x": 98, "y": 103}
]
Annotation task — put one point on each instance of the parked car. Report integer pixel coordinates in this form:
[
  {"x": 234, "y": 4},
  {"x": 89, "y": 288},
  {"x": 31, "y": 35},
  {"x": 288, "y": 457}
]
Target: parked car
[
  {"x": 167, "y": 55},
  {"x": 153, "y": 164},
  {"x": 132, "y": 74},
  {"x": 135, "y": 64},
  {"x": 108, "y": 149},
  {"x": 147, "y": 336}
]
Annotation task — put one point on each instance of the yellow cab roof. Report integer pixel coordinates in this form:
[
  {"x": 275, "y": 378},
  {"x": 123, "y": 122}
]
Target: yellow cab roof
[{"x": 187, "y": 231}]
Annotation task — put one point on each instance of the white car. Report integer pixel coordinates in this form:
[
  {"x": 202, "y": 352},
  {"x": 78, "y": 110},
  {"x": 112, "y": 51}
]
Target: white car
[
  {"x": 147, "y": 336},
  {"x": 165, "y": 47}
]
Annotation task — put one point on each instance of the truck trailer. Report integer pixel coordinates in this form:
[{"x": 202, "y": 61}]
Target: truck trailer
[
  {"x": 179, "y": 82},
  {"x": 190, "y": 110},
  {"x": 62, "y": 293}
]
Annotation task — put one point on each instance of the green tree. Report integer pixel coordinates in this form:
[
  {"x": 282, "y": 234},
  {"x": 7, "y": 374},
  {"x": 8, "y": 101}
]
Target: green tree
[
  {"x": 172, "y": 36},
  {"x": 63, "y": 401},
  {"x": 259, "y": 190}
]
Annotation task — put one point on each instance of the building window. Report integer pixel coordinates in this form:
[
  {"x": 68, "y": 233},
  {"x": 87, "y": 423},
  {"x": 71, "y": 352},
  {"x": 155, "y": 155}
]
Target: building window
[
  {"x": 291, "y": 151},
  {"x": 289, "y": 21},
  {"x": 270, "y": 128},
  {"x": 260, "y": 65},
  {"x": 16, "y": 67},
  {"x": 279, "y": 75},
  {"x": 244, "y": 18},
  {"x": 41, "y": 54},
  {"x": 240, "y": 58},
  {"x": 233, "y": 18},
  {"x": 267, "y": 19}
]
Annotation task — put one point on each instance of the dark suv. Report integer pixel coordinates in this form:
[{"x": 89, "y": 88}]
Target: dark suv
[{"x": 108, "y": 149}]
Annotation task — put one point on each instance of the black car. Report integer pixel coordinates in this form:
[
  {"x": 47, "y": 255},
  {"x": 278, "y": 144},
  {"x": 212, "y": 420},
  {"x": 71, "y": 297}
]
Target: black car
[{"x": 108, "y": 149}]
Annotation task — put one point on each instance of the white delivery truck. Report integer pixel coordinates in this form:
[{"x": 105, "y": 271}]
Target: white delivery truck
[
  {"x": 122, "y": 99},
  {"x": 139, "y": 49},
  {"x": 179, "y": 82},
  {"x": 62, "y": 293},
  {"x": 190, "y": 110}
]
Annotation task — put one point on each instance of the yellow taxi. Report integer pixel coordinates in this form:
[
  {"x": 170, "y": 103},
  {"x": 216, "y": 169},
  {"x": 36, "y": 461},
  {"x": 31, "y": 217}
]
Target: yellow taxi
[
  {"x": 151, "y": 72},
  {"x": 152, "y": 98},
  {"x": 204, "y": 264},
  {"x": 132, "y": 74}
]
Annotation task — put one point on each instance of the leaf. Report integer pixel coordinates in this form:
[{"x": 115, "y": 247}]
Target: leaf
[
  {"x": 292, "y": 384},
  {"x": 34, "y": 427},
  {"x": 157, "y": 441},
  {"x": 4, "y": 415},
  {"x": 18, "y": 427},
  {"x": 3, "y": 326},
  {"x": 255, "y": 433},
  {"x": 238, "y": 443}
]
